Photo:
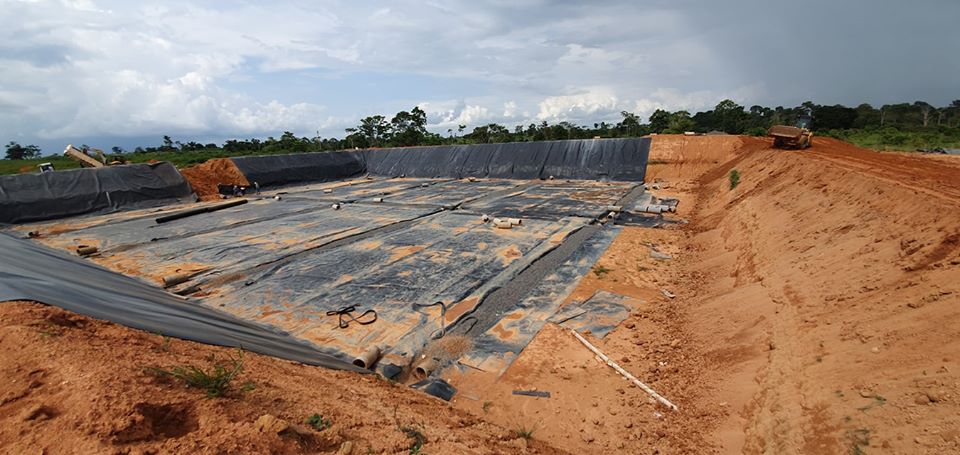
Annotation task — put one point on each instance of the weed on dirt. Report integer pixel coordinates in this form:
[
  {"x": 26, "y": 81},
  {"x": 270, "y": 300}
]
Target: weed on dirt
[
  {"x": 734, "y": 178},
  {"x": 523, "y": 432},
  {"x": 216, "y": 382},
  {"x": 317, "y": 422},
  {"x": 600, "y": 271}
]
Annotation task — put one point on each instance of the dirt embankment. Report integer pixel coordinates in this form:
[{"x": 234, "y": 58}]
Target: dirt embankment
[
  {"x": 205, "y": 177},
  {"x": 677, "y": 157},
  {"x": 72, "y": 384},
  {"x": 824, "y": 293}
]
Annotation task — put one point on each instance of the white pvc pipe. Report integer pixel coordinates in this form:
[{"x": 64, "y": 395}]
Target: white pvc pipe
[{"x": 624, "y": 373}]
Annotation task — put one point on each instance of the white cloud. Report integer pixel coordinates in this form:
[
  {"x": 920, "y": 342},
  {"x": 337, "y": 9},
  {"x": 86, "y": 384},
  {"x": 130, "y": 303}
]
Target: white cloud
[
  {"x": 107, "y": 67},
  {"x": 575, "y": 106}
]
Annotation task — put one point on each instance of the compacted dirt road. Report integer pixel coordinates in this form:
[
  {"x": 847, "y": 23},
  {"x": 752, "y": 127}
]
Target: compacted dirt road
[{"x": 815, "y": 309}]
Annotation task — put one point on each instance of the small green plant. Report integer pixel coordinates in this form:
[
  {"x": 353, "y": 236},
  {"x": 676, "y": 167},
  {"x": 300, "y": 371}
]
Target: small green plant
[
  {"x": 318, "y": 422},
  {"x": 523, "y": 432},
  {"x": 416, "y": 439},
  {"x": 600, "y": 270},
  {"x": 734, "y": 178},
  {"x": 215, "y": 382},
  {"x": 486, "y": 406}
]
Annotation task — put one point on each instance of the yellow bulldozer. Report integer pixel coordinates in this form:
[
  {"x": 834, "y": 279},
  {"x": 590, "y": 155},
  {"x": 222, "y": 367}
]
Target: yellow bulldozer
[{"x": 790, "y": 137}]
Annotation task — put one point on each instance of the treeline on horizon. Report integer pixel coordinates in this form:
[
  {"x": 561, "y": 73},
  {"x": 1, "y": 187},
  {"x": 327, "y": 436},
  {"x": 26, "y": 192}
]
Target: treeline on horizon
[{"x": 901, "y": 126}]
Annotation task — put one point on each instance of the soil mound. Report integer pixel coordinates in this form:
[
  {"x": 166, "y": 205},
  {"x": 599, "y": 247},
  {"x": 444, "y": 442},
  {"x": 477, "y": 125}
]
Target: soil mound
[{"x": 205, "y": 177}]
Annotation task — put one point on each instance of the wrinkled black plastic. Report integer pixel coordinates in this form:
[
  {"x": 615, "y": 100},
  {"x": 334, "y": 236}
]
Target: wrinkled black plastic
[
  {"x": 51, "y": 195},
  {"x": 436, "y": 387},
  {"x": 52, "y": 277},
  {"x": 589, "y": 159},
  {"x": 274, "y": 170}
]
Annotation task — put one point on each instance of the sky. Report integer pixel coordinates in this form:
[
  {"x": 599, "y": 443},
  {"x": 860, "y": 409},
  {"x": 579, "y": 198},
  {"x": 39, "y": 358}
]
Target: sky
[{"x": 123, "y": 73}]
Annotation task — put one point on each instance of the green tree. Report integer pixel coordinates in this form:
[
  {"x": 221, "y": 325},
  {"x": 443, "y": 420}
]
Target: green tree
[
  {"x": 376, "y": 130},
  {"x": 409, "y": 128},
  {"x": 16, "y": 151},
  {"x": 680, "y": 122},
  {"x": 730, "y": 116},
  {"x": 629, "y": 124},
  {"x": 489, "y": 133},
  {"x": 660, "y": 120}
]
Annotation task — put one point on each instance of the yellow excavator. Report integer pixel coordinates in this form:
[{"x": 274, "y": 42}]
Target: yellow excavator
[{"x": 99, "y": 159}]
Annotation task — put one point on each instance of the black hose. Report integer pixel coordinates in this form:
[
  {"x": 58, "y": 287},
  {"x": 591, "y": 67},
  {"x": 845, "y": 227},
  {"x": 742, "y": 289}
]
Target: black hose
[{"x": 345, "y": 316}]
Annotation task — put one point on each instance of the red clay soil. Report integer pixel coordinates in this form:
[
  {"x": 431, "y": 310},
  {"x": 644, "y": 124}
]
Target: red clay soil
[
  {"x": 824, "y": 294},
  {"x": 72, "y": 384},
  {"x": 205, "y": 177}
]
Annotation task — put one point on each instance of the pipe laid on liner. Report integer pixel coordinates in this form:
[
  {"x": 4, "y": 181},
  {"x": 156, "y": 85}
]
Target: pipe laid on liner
[
  {"x": 197, "y": 211},
  {"x": 501, "y": 224},
  {"x": 368, "y": 358},
  {"x": 485, "y": 218},
  {"x": 378, "y": 199},
  {"x": 175, "y": 279},
  {"x": 86, "y": 250},
  {"x": 427, "y": 366},
  {"x": 613, "y": 208},
  {"x": 335, "y": 206},
  {"x": 514, "y": 221},
  {"x": 327, "y": 190}
]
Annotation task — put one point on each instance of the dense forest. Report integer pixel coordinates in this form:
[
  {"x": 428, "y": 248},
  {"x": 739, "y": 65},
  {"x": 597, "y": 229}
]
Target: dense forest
[{"x": 904, "y": 126}]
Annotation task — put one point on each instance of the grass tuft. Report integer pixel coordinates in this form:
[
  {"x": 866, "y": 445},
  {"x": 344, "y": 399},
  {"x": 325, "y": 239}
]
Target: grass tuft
[
  {"x": 318, "y": 422},
  {"x": 523, "y": 432},
  {"x": 734, "y": 178},
  {"x": 215, "y": 382}
]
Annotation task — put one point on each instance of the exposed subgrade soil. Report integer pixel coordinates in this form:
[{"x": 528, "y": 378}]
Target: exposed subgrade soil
[{"x": 72, "y": 384}]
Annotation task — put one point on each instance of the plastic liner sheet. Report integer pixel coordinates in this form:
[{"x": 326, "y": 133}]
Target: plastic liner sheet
[
  {"x": 444, "y": 257},
  {"x": 589, "y": 159},
  {"x": 496, "y": 349},
  {"x": 51, "y": 195},
  {"x": 44, "y": 275},
  {"x": 598, "y": 315},
  {"x": 276, "y": 170},
  {"x": 554, "y": 200}
]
